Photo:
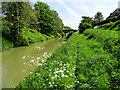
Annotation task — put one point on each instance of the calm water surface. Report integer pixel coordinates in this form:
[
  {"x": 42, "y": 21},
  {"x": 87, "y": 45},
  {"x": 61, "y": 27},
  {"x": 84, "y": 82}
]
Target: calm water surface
[{"x": 18, "y": 62}]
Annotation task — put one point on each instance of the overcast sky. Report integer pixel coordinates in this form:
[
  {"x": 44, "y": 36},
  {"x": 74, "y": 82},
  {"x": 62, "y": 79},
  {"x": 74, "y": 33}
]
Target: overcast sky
[{"x": 70, "y": 11}]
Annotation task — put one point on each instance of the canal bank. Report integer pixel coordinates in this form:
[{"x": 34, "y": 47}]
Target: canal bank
[{"x": 19, "y": 62}]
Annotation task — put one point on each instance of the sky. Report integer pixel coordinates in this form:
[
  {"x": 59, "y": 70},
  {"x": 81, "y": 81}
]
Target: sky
[{"x": 71, "y": 11}]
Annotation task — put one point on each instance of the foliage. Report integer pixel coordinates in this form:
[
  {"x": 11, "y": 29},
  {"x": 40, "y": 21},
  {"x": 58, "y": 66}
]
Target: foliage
[
  {"x": 111, "y": 26},
  {"x": 21, "y": 22},
  {"x": 85, "y": 23},
  {"x": 67, "y": 28},
  {"x": 31, "y": 36},
  {"x": 108, "y": 20},
  {"x": 45, "y": 18},
  {"x": 98, "y": 17},
  {"x": 6, "y": 44},
  {"x": 86, "y": 19},
  {"x": 58, "y": 22},
  {"x": 69, "y": 34},
  {"x": 108, "y": 38},
  {"x": 88, "y": 60},
  {"x": 84, "y": 26},
  {"x": 18, "y": 15}
]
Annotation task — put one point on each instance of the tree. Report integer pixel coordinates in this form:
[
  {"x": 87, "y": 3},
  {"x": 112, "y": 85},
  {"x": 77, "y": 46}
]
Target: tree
[
  {"x": 45, "y": 18},
  {"x": 98, "y": 17},
  {"x": 58, "y": 22},
  {"x": 85, "y": 23},
  {"x": 18, "y": 15},
  {"x": 86, "y": 19}
]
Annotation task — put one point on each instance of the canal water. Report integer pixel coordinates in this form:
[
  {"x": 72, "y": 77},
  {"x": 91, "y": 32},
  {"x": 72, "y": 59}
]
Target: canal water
[{"x": 19, "y": 62}]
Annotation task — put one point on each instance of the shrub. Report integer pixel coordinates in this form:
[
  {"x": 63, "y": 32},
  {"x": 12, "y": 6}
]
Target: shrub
[
  {"x": 6, "y": 44},
  {"x": 84, "y": 26}
]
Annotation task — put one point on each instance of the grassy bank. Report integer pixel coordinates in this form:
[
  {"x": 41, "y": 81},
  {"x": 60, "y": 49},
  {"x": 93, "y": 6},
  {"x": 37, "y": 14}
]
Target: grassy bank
[
  {"x": 5, "y": 44},
  {"x": 84, "y": 61}
]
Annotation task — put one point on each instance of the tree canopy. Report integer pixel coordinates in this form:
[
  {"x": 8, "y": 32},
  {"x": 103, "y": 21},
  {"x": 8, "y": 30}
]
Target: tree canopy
[
  {"x": 98, "y": 17},
  {"x": 18, "y": 15},
  {"x": 86, "y": 23}
]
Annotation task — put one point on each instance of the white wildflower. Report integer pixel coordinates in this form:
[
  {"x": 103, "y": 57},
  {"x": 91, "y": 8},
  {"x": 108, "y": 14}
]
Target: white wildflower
[
  {"x": 39, "y": 64},
  {"x": 68, "y": 86},
  {"x": 57, "y": 68},
  {"x": 64, "y": 69},
  {"x": 55, "y": 85},
  {"x": 32, "y": 60},
  {"x": 55, "y": 75},
  {"x": 68, "y": 71},
  {"x": 31, "y": 72},
  {"x": 51, "y": 85},
  {"x": 70, "y": 74},
  {"x": 61, "y": 64},
  {"x": 73, "y": 68},
  {"x": 66, "y": 76},
  {"x": 49, "y": 82},
  {"x": 45, "y": 53},
  {"x": 74, "y": 76},
  {"x": 23, "y": 57},
  {"x": 38, "y": 74},
  {"x": 50, "y": 54},
  {"x": 38, "y": 57},
  {"x": 23, "y": 63},
  {"x": 62, "y": 75}
]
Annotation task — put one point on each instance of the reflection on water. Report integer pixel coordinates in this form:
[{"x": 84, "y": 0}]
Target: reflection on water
[{"x": 18, "y": 62}]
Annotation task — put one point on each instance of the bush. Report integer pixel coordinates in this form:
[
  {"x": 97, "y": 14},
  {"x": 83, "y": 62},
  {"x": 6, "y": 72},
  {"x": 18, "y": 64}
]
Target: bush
[
  {"x": 6, "y": 44},
  {"x": 28, "y": 35},
  {"x": 84, "y": 26}
]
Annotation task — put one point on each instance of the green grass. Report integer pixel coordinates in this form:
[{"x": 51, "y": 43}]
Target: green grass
[
  {"x": 84, "y": 61},
  {"x": 108, "y": 38}
]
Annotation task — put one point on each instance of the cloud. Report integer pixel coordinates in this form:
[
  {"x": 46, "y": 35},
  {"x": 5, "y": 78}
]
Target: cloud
[{"x": 74, "y": 14}]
